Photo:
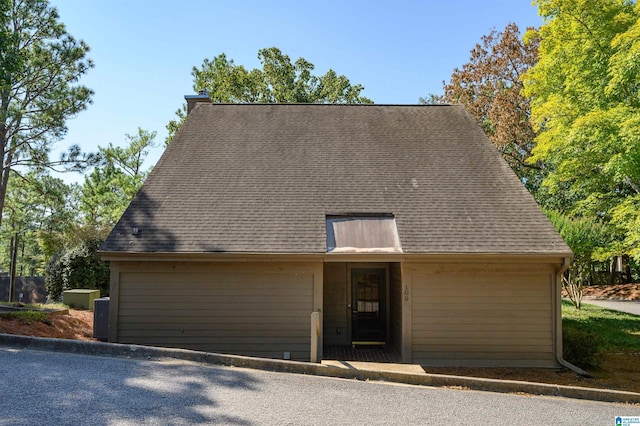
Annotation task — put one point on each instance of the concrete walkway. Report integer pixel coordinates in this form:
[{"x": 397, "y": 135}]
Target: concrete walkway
[
  {"x": 628, "y": 306},
  {"x": 384, "y": 367}
]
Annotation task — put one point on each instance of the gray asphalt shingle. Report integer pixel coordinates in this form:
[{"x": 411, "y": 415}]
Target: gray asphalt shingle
[{"x": 263, "y": 178}]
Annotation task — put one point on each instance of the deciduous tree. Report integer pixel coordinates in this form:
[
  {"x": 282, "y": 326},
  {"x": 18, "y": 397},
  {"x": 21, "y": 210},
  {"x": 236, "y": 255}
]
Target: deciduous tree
[
  {"x": 585, "y": 108},
  {"x": 278, "y": 81},
  {"x": 490, "y": 86}
]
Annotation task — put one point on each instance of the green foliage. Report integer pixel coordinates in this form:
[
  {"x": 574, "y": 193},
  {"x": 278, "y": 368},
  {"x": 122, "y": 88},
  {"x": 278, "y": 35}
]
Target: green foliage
[
  {"x": 116, "y": 178},
  {"x": 626, "y": 216},
  {"x": 590, "y": 331},
  {"x": 279, "y": 81},
  {"x": 130, "y": 158},
  {"x": 40, "y": 64},
  {"x": 585, "y": 237},
  {"x": 43, "y": 211},
  {"x": 38, "y": 209},
  {"x": 28, "y": 317},
  {"x": 35, "y": 306},
  {"x": 624, "y": 64},
  {"x": 77, "y": 267},
  {"x": 581, "y": 347},
  {"x": 616, "y": 331},
  {"x": 585, "y": 108}
]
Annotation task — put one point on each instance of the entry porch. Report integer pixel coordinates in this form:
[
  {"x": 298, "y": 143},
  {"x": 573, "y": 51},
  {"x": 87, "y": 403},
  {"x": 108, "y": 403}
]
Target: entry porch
[{"x": 362, "y": 311}]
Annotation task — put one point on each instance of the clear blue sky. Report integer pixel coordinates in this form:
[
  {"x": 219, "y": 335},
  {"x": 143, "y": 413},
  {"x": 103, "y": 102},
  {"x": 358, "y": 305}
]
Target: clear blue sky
[{"x": 144, "y": 50}]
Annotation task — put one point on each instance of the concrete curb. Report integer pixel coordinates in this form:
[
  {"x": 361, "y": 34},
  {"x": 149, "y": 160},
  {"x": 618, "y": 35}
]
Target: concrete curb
[{"x": 440, "y": 380}]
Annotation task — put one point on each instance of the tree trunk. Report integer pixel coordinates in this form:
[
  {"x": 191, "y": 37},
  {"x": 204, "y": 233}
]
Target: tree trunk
[
  {"x": 572, "y": 285},
  {"x": 4, "y": 182},
  {"x": 627, "y": 269},
  {"x": 612, "y": 268},
  {"x": 12, "y": 268}
]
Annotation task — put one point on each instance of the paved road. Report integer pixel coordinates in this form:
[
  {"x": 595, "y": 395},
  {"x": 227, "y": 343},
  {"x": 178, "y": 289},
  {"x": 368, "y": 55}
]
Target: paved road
[
  {"x": 631, "y": 307},
  {"x": 66, "y": 389}
]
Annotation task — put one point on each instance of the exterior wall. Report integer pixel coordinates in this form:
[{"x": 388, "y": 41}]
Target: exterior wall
[
  {"x": 336, "y": 299},
  {"x": 395, "y": 311},
  {"x": 441, "y": 313},
  {"x": 481, "y": 314},
  {"x": 255, "y": 309}
]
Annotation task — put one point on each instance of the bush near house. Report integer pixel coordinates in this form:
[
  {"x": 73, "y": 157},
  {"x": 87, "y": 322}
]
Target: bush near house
[
  {"x": 78, "y": 267},
  {"x": 581, "y": 347}
]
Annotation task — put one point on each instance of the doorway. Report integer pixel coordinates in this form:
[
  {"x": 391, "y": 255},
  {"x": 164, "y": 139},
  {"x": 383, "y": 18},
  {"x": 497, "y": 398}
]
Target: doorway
[{"x": 368, "y": 306}]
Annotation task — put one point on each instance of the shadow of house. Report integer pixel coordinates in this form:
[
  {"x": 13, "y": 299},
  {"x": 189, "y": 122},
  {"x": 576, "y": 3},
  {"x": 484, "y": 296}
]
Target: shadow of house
[{"x": 129, "y": 391}]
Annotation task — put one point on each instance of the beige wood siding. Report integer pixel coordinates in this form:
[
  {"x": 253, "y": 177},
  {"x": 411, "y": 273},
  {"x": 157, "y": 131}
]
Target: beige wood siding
[
  {"x": 336, "y": 313},
  {"x": 482, "y": 315},
  {"x": 248, "y": 309},
  {"x": 395, "y": 298}
]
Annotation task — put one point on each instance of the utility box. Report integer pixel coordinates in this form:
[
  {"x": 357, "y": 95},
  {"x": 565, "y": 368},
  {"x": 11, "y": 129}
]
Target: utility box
[
  {"x": 80, "y": 298},
  {"x": 101, "y": 319}
]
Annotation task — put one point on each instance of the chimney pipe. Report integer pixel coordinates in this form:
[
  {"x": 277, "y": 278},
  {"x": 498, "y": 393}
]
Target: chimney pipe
[{"x": 192, "y": 100}]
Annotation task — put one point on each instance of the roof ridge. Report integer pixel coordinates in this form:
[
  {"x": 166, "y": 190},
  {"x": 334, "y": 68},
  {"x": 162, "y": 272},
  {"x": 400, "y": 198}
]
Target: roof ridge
[{"x": 324, "y": 104}]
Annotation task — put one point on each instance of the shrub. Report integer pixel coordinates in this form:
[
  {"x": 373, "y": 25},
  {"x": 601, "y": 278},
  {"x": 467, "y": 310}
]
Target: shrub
[
  {"x": 581, "y": 347},
  {"x": 584, "y": 236},
  {"x": 77, "y": 267}
]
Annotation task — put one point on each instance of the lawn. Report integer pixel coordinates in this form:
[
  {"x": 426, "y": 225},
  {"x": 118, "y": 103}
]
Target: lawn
[
  {"x": 616, "y": 331},
  {"x": 615, "y": 336}
]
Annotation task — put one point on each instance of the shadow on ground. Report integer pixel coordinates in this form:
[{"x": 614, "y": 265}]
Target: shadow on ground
[{"x": 115, "y": 391}]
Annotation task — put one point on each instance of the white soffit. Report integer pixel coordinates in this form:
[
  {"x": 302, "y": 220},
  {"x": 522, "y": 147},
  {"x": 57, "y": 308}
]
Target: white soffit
[{"x": 362, "y": 234}]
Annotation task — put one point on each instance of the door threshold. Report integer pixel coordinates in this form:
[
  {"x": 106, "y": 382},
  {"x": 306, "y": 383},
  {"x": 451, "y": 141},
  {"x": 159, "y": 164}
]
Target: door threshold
[{"x": 368, "y": 343}]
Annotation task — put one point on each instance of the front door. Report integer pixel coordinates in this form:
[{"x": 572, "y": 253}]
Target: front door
[{"x": 368, "y": 306}]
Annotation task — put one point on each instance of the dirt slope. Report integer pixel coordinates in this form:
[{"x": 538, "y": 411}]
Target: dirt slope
[
  {"x": 614, "y": 292},
  {"x": 76, "y": 325}
]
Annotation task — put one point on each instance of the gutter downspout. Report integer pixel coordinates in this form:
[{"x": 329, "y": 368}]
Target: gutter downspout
[{"x": 558, "y": 321}]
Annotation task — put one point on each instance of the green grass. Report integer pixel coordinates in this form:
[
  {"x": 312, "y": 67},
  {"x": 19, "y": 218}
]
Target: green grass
[
  {"x": 36, "y": 305},
  {"x": 26, "y": 316},
  {"x": 614, "y": 330}
]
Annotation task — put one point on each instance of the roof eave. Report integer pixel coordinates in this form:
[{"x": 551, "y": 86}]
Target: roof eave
[{"x": 550, "y": 257}]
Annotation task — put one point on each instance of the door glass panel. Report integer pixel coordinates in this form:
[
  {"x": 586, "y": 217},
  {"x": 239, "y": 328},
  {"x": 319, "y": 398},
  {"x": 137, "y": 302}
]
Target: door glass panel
[{"x": 368, "y": 298}]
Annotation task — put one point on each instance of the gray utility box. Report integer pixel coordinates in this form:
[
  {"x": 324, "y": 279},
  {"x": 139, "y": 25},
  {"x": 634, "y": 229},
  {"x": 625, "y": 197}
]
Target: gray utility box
[{"x": 101, "y": 318}]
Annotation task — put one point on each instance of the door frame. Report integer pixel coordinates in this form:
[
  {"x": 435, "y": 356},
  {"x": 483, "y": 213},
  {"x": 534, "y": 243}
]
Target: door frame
[{"x": 368, "y": 265}]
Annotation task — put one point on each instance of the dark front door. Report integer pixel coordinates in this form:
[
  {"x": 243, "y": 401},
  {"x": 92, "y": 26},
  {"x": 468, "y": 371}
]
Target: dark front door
[{"x": 368, "y": 306}]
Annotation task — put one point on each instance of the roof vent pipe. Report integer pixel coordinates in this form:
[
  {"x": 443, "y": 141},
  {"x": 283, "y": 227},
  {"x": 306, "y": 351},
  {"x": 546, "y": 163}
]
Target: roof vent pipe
[{"x": 192, "y": 100}]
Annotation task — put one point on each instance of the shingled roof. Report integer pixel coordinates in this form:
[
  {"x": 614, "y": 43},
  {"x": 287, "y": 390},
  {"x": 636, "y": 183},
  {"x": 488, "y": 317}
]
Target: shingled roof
[{"x": 264, "y": 178}]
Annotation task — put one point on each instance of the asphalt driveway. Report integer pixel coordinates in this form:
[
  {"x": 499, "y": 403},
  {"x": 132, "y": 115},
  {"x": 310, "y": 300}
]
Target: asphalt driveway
[
  {"x": 628, "y": 306},
  {"x": 72, "y": 389}
]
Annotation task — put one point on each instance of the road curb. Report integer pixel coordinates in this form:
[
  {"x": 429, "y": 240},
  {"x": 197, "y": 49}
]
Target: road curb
[{"x": 426, "y": 379}]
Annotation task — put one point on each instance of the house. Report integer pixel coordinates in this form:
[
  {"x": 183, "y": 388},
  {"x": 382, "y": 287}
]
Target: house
[{"x": 397, "y": 225}]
